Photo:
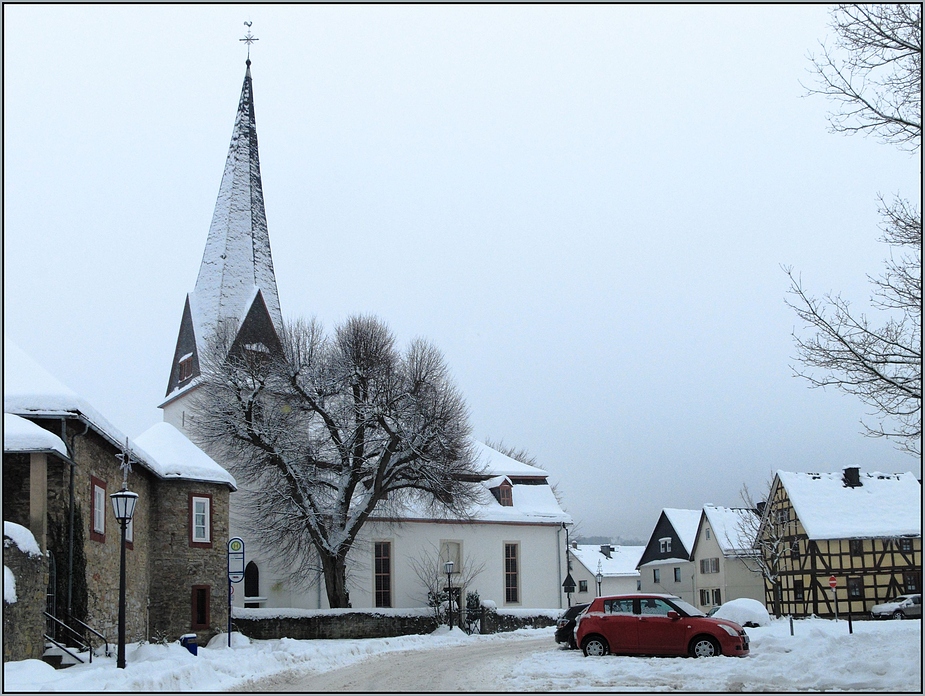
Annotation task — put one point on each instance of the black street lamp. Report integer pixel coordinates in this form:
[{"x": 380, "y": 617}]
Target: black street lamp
[
  {"x": 448, "y": 569},
  {"x": 123, "y": 506}
]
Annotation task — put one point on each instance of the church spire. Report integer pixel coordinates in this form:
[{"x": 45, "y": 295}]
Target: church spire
[{"x": 236, "y": 282}]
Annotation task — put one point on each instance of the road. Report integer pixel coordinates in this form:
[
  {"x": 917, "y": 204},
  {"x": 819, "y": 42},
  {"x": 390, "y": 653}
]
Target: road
[{"x": 478, "y": 667}]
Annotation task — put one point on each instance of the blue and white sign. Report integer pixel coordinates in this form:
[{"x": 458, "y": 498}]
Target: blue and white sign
[{"x": 235, "y": 559}]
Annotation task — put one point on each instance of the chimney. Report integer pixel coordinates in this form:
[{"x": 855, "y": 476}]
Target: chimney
[
  {"x": 606, "y": 549},
  {"x": 851, "y": 477},
  {"x": 574, "y": 544}
]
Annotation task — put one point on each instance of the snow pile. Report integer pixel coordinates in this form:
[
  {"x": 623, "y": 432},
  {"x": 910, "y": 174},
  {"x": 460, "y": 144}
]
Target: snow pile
[
  {"x": 744, "y": 611},
  {"x": 21, "y": 435},
  {"x": 21, "y": 537},
  {"x": 9, "y": 586}
]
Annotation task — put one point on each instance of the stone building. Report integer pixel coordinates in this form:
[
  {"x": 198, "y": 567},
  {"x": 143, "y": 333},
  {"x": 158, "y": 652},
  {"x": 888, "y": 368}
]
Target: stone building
[{"x": 61, "y": 462}]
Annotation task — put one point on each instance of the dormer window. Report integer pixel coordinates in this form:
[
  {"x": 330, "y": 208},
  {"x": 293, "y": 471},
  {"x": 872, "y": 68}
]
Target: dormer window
[
  {"x": 664, "y": 545},
  {"x": 504, "y": 495},
  {"x": 186, "y": 367}
]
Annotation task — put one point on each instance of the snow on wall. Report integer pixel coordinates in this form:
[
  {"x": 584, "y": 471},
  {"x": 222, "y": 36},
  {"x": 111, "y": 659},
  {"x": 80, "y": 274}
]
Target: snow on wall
[{"x": 21, "y": 537}]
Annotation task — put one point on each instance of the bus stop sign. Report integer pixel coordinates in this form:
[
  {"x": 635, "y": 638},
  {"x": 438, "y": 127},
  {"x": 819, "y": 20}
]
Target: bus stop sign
[{"x": 235, "y": 559}]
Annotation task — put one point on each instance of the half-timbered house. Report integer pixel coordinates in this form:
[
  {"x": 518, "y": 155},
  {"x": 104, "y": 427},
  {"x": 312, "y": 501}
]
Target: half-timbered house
[{"x": 863, "y": 529}]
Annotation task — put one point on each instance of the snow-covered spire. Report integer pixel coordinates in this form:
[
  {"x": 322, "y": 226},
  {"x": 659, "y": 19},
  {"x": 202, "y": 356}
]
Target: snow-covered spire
[
  {"x": 236, "y": 282},
  {"x": 237, "y": 255}
]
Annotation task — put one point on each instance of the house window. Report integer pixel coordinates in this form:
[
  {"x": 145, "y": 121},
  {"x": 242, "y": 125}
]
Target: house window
[
  {"x": 656, "y": 576},
  {"x": 201, "y": 596},
  {"x": 186, "y": 367},
  {"x": 855, "y": 588},
  {"x": 717, "y": 598},
  {"x": 795, "y": 553},
  {"x": 511, "y": 577},
  {"x": 708, "y": 533},
  {"x": 582, "y": 585},
  {"x": 200, "y": 530},
  {"x": 798, "y": 589},
  {"x": 782, "y": 515},
  {"x": 97, "y": 509},
  {"x": 709, "y": 565},
  {"x": 905, "y": 544},
  {"x": 664, "y": 545},
  {"x": 504, "y": 496},
  {"x": 251, "y": 584},
  {"x": 677, "y": 575},
  {"x": 912, "y": 581},
  {"x": 856, "y": 546},
  {"x": 383, "y": 573},
  {"x": 704, "y": 598}
]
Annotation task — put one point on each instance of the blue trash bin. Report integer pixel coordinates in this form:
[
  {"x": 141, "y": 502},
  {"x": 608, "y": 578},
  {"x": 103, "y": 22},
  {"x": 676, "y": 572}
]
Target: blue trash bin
[{"x": 188, "y": 641}]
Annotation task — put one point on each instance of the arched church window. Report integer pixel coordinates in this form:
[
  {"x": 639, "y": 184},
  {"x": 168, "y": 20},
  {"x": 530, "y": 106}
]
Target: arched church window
[{"x": 251, "y": 580}]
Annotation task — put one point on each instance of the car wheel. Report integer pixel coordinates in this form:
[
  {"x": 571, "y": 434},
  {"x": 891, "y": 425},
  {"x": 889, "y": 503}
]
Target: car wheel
[
  {"x": 704, "y": 646},
  {"x": 595, "y": 646},
  {"x": 898, "y": 614}
]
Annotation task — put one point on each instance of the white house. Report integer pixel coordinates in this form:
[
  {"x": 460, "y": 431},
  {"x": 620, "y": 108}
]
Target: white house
[
  {"x": 515, "y": 537},
  {"x": 666, "y": 565},
  {"x": 616, "y": 565},
  {"x": 724, "y": 557}
]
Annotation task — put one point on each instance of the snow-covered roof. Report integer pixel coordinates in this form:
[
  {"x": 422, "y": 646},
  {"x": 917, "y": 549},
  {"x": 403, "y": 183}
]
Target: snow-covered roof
[
  {"x": 498, "y": 464},
  {"x": 21, "y": 435},
  {"x": 731, "y": 528},
  {"x": 622, "y": 561},
  {"x": 884, "y": 505},
  {"x": 175, "y": 456},
  {"x": 31, "y": 391},
  {"x": 685, "y": 523}
]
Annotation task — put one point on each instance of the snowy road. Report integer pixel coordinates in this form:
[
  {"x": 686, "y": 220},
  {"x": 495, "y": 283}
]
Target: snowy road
[{"x": 478, "y": 667}]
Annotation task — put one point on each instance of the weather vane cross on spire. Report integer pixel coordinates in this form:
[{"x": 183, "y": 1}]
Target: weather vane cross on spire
[{"x": 249, "y": 39}]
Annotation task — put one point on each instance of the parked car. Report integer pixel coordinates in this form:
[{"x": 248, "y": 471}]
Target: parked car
[
  {"x": 905, "y": 606},
  {"x": 565, "y": 626},
  {"x": 655, "y": 624}
]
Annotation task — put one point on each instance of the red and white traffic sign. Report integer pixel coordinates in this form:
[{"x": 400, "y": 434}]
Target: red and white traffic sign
[{"x": 832, "y": 582}]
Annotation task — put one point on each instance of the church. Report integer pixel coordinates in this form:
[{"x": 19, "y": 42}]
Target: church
[{"x": 511, "y": 550}]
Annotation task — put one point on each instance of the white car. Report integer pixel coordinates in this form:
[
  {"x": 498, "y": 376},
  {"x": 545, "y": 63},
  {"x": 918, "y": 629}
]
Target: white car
[{"x": 907, "y": 606}]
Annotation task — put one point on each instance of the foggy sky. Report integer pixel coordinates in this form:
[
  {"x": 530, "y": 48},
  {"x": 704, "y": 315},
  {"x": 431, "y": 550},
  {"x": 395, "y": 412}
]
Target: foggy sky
[{"x": 585, "y": 207}]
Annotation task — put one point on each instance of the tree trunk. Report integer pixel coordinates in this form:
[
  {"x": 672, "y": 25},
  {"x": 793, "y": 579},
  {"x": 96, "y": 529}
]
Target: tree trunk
[{"x": 335, "y": 579}]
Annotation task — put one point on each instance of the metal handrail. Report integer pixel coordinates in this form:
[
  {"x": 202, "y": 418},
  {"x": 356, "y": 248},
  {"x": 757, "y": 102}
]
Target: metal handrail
[
  {"x": 76, "y": 657},
  {"x": 79, "y": 637},
  {"x": 93, "y": 631}
]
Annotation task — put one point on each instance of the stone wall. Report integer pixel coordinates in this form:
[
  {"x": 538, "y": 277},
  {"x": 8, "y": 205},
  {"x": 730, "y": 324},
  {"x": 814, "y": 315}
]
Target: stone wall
[
  {"x": 23, "y": 620},
  {"x": 347, "y": 624},
  {"x": 177, "y": 565},
  {"x": 494, "y": 622}
]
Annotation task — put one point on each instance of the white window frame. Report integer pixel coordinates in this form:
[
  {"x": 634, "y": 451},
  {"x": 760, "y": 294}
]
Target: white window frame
[
  {"x": 206, "y": 537},
  {"x": 99, "y": 509},
  {"x": 664, "y": 545}
]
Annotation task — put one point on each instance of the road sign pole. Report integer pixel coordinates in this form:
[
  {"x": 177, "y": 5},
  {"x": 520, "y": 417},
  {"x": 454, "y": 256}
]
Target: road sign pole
[
  {"x": 235, "y": 573},
  {"x": 833, "y": 583}
]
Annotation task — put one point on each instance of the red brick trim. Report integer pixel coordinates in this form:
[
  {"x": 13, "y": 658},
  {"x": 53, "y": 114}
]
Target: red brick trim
[
  {"x": 201, "y": 544},
  {"x": 95, "y": 535}
]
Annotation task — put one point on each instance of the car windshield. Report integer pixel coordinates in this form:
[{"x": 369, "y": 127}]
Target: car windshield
[{"x": 687, "y": 609}]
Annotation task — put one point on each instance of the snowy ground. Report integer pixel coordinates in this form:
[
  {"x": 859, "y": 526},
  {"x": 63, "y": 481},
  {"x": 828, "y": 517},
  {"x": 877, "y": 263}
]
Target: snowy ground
[{"x": 879, "y": 656}]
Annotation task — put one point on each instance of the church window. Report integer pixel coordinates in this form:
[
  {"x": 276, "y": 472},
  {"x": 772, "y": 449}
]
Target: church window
[
  {"x": 451, "y": 551},
  {"x": 251, "y": 585},
  {"x": 383, "y": 573},
  {"x": 511, "y": 574},
  {"x": 186, "y": 367}
]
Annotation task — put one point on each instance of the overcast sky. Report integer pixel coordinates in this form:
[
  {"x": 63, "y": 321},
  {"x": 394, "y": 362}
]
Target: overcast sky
[{"x": 585, "y": 207}]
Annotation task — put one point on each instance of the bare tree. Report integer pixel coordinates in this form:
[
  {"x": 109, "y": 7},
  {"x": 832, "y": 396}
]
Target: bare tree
[
  {"x": 769, "y": 547},
  {"x": 331, "y": 429},
  {"x": 875, "y": 73},
  {"x": 428, "y": 568}
]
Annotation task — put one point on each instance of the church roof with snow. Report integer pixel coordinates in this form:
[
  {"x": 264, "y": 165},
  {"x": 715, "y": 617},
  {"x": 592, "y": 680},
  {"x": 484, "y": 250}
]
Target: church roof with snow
[{"x": 236, "y": 282}]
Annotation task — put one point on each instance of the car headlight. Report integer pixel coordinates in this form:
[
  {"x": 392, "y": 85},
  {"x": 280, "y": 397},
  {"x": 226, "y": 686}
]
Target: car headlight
[{"x": 730, "y": 630}]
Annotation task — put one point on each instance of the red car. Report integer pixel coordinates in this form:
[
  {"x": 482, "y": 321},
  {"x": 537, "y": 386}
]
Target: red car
[{"x": 656, "y": 624}]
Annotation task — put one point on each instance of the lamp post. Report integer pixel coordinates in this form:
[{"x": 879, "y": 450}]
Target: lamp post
[
  {"x": 448, "y": 569},
  {"x": 600, "y": 578},
  {"x": 123, "y": 506}
]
